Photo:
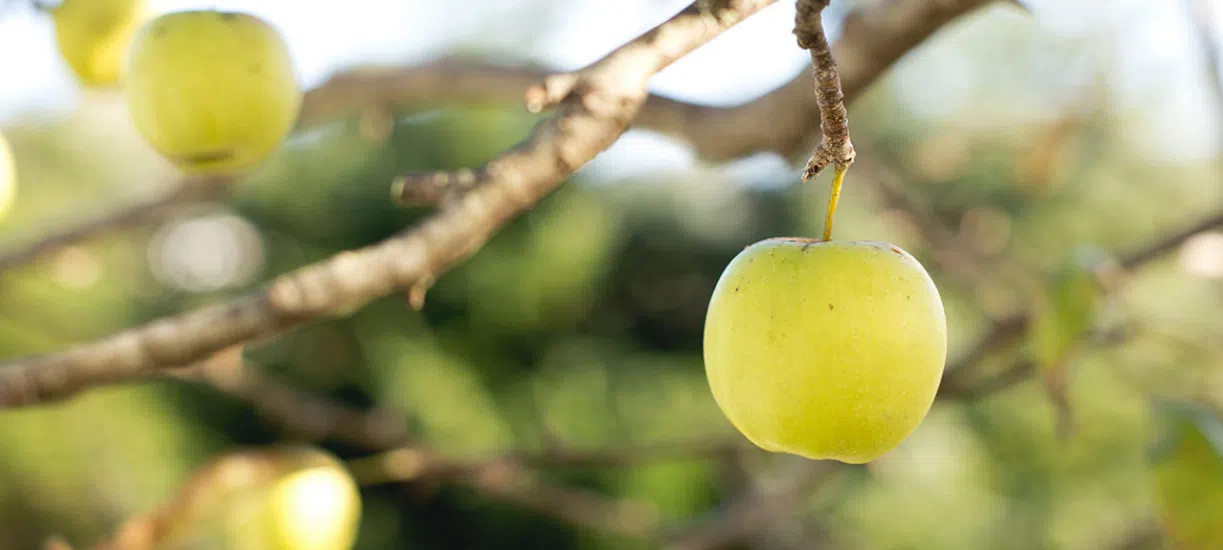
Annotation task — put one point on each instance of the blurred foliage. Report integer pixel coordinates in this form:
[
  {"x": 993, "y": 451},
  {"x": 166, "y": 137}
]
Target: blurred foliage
[{"x": 581, "y": 321}]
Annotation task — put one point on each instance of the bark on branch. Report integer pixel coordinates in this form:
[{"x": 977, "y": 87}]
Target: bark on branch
[{"x": 835, "y": 147}]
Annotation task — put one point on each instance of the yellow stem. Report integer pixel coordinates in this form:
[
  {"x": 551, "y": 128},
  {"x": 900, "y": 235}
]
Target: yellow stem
[{"x": 837, "y": 179}]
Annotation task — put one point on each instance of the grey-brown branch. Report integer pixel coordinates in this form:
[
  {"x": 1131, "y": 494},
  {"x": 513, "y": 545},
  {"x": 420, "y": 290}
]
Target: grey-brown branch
[
  {"x": 835, "y": 146},
  {"x": 182, "y": 192}
]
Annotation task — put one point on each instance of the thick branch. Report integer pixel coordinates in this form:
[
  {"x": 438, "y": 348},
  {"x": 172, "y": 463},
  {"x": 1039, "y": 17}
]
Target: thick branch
[{"x": 603, "y": 103}]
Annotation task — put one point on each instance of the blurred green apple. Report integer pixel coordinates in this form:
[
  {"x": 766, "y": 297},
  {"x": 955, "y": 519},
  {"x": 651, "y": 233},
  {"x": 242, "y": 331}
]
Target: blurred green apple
[
  {"x": 215, "y": 92},
  {"x": 825, "y": 349},
  {"x": 93, "y": 37},
  {"x": 280, "y": 498}
]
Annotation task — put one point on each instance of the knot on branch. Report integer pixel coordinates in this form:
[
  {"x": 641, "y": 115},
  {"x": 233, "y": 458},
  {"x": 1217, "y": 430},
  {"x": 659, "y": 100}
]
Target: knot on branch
[
  {"x": 432, "y": 187},
  {"x": 824, "y": 155},
  {"x": 808, "y": 23},
  {"x": 549, "y": 93}
]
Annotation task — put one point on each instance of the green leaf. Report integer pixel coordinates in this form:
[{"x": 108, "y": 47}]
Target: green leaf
[
  {"x": 1064, "y": 316},
  {"x": 1186, "y": 462}
]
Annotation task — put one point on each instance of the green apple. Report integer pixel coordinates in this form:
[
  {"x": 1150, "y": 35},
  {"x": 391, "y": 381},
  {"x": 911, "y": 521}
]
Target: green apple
[
  {"x": 825, "y": 349},
  {"x": 214, "y": 92},
  {"x": 93, "y": 37}
]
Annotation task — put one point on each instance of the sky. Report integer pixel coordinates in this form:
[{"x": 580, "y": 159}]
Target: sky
[{"x": 1157, "y": 49}]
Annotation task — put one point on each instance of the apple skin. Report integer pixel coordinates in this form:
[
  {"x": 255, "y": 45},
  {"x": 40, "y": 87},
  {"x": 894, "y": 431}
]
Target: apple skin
[
  {"x": 214, "y": 92},
  {"x": 93, "y": 37},
  {"x": 825, "y": 349}
]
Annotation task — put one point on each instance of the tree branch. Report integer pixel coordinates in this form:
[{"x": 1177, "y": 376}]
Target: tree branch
[
  {"x": 958, "y": 383},
  {"x": 784, "y": 121},
  {"x": 306, "y": 415},
  {"x": 510, "y": 477},
  {"x": 604, "y": 99},
  {"x": 754, "y": 510},
  {"x": 834, "y": 147},
  {"x": 183, "y": 192}
]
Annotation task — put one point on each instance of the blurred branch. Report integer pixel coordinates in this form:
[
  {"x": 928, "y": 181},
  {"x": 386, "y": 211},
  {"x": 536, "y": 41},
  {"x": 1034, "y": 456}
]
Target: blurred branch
[
  {"x": 959, "y": 382},
  {"x": 784, "y": 121},
  {"x": 448, "y": 80},
  {"x": 605, "y": 97},
  {"x": 754, "y": 510},
  {"x": 512, "y": 482},
  {"x": 1166, "y": 244},
  {"x": 150, "y": 210},
  {"x": 308, "y": 416},
  {"x": 835, "y": 146},
  {"x": 506, "y": 477},
  {"x": 1003, "y": 333},
  {"x": 631, "y": 517},
  {"x": 510, "y": 477},
  {"x": 953, "y": 257},
  {"x": 410, "y": 463}
]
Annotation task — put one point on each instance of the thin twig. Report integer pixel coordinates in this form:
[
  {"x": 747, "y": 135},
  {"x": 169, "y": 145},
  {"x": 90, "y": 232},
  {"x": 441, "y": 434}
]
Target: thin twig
[
  {"x": 512, "y": 482},
  {"x": 510, "y": 477},
  {"x": 755, "y": 510},
  {"x": 960, "y": 382},
  {"x": 834, "y": 147},
  {"x": 409, "y": 463},
  {"x": 629, "y": 517},
  {"x": 142, "y": 212},
  {"x": 306, "y": 415},
  {"x": 1167, "y": 243}
]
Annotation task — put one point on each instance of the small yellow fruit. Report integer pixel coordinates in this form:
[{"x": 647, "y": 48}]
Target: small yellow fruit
[
  {"x": 8, "y": 177},
  {"x": 93, "y": 36},
  {"x": 825, "y": 349},
  {"x": 214, "y": 92},
  {"x": 282, "y": 498}
]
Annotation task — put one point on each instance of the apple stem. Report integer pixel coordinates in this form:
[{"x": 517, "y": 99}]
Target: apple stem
[{"x": 838, "y": 178}]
